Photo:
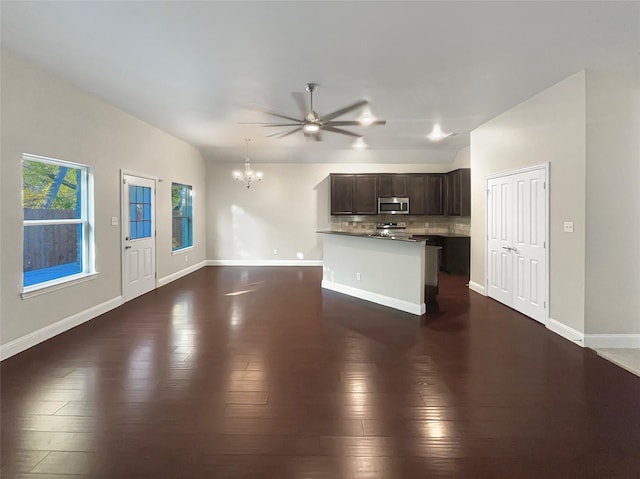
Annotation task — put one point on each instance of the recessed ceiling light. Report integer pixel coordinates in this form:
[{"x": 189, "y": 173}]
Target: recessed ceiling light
[
  {"x": 359, "y": 144},
  {"x": 437, "y": 134}
]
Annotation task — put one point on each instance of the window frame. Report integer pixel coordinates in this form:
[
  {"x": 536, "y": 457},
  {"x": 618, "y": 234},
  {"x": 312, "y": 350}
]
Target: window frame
[
  {"x": 86, "y": 221},
  {"x": 188, "y": 217}
]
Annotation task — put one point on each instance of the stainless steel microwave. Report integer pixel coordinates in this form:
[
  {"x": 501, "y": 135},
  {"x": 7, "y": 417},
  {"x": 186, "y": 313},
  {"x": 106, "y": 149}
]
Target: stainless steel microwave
[{"x": 393, "y": 206}]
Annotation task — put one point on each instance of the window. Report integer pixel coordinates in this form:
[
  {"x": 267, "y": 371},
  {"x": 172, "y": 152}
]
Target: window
[
  {"x": 182, "y": 229},
  {"x": 58, "y": 232}
]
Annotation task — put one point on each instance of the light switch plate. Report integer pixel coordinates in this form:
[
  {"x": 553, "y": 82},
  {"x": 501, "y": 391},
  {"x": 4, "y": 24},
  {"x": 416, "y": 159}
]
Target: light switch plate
[
  {"x": 114, "y": 221},
  {"x": 568, "y": 226}
]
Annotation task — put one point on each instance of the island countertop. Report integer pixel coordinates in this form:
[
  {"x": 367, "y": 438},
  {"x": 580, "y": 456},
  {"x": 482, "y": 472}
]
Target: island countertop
[{"x": 400, "y": 237}]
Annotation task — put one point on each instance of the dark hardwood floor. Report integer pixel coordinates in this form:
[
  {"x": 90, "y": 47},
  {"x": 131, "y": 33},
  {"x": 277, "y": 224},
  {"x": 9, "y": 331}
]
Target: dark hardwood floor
[{"x": 238, "y": 372}]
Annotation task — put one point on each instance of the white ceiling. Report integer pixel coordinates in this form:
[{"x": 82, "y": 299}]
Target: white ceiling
[{"x": 196, "y": 69}]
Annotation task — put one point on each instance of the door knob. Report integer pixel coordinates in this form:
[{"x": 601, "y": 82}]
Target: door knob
[{"x": 127, "y": 247}]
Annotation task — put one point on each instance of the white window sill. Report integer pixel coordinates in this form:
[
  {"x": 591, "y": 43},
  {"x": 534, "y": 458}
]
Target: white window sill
[
  {"x": 49, "y": 286},
  {"x": 182, "y": 250}
]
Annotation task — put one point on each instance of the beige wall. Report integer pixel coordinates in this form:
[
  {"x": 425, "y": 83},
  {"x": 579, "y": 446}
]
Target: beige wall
[
  {"x": 462, "y": 159},
  {"x": 549, "y": 127},
  {"x": 613, "y": 203},
  {"x": 45, "y": 116},
  {"x": 283, "y": 212}
]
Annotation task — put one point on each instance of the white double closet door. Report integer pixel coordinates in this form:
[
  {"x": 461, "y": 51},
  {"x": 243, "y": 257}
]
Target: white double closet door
[{"x": 516, "y": 241}]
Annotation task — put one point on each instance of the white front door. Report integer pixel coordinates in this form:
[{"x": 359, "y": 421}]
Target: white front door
[
  {"x": 139, "y": 236},
  {"x": 516, "y": 241}
]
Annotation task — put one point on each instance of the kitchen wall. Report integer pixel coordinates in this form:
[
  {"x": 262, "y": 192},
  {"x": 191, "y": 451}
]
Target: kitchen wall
[
  {"x": 587, "y": 128},
  {"x": 613, "y": 203},
  {"x": 46, "y": 116},
  {"x": 549, "y": 127}
]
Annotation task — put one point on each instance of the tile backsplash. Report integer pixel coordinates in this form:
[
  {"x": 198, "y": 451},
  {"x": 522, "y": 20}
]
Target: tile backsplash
[{"x": 414, "y": 224}]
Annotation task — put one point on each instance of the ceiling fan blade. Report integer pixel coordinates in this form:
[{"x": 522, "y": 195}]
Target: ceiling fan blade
[
  {"x": 354, "y": 123},
  {"x": 343, "y": 123},
  {"x": 342, "y": 111},
  {"x": 273, "y": 113},
  {"x": 268, "y": 124},
  {"x": 286, "y": 133},
  {"x": 341, "y": 131},
  {"x": 301, "y": 101}
]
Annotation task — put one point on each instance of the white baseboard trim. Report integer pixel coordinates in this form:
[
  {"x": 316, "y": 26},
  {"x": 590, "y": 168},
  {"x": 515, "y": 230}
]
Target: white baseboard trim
[
  {"x": 612, "y": 340},
  {"x": 29, "y": 340},
  {"x": 264, "y": 262},
  {"x": 566, "y": 332},
  {"x": 477, "y": 287},
  {"x": 179, "y": 274},
  {"x": 406, "y": 306}
]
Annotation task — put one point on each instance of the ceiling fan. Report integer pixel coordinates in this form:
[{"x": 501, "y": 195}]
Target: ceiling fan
[{"x": 313, "y": 124}]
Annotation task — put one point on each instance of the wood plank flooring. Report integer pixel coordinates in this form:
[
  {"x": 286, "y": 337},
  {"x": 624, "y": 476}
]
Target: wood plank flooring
[{"x": 237, "y": 372}]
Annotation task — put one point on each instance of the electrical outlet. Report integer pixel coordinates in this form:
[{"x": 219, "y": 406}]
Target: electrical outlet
[
  {"x": 568, "y": 226},
  {"x": 186, "y": 258},
  {"x": 275, "y": 251},
  {"x": 114, "y": 221},
  {"x": 357, "y": 276}
]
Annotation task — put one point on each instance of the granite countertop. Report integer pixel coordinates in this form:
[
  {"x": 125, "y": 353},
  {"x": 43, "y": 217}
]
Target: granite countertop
[
  {"x": 400, "y": 237},
  {"x": 445, "y": 235}
]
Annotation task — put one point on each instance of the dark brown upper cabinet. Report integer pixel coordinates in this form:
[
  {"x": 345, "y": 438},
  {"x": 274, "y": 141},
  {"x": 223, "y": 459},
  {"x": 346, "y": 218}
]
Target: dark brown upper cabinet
[
  {"x": 354, "y": 194},
  {"x": 416, "y": 191},
  {"x": 366, "y": 195},
  {"x": 458, "y": 193},
  {"x": 428, "y": 193},
  {"x": 342, "y": 194},
  {"x": 434, "y": 194},
  {"x": 392, "y": 185}
]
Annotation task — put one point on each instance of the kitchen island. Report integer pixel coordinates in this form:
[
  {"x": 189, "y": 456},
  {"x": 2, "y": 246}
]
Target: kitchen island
[{"x": 392, "y": 270}]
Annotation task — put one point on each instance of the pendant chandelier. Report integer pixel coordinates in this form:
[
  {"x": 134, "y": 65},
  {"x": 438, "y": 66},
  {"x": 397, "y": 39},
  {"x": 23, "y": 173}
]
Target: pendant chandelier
[{"x": 248, "y": 176}]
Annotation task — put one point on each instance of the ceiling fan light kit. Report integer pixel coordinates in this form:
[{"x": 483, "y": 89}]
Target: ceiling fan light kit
[
  {"x": 248, "y": 176},
  {"x": 312, "y": 124}
]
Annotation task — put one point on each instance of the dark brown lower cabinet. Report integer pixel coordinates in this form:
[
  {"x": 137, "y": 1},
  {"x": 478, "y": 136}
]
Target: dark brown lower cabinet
[
  {"x": 455, "y": 257},
  {"x": 456, "y": 254}
]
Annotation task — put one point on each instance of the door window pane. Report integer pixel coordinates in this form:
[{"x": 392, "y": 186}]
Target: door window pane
[{"x": 139, "y": 212}]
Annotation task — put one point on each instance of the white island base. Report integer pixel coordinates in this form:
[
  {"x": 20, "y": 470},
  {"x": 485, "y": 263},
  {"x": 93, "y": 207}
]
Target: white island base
[{"x": 381, "y": 270}]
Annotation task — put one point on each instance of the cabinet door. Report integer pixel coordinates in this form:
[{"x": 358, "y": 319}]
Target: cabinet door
[
  {"x": 366, "y": 195},
  {"x": 453, "y": 193},
  {"x": 392, "y": 185},
  {"x": 416, "y": 187},
  {"x": 434, "y": 195},
  {"x": 457, "y": 255},
  {"x": 342, "y": 187},
  {"x": 458, "y": 193}
]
